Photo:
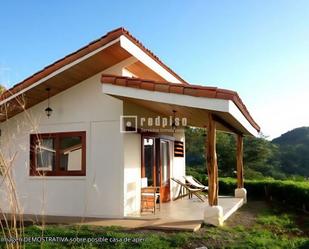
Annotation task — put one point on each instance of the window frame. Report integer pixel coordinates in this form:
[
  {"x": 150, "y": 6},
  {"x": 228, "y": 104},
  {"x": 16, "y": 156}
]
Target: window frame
[{"x": 57, "y": 171}]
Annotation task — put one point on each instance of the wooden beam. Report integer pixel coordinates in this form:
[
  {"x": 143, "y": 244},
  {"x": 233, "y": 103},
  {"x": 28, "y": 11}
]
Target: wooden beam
[
  {"x": 226, "y": 124},
  {"x": 239, "y": 160},
  {"x": 212, "y": 167}
]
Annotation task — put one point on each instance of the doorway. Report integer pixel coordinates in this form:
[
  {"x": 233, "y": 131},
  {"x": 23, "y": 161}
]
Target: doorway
[{"x": 156, "y": 160}]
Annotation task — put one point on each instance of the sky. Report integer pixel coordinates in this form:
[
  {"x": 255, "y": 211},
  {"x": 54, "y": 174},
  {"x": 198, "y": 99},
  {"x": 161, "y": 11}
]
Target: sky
[{"x": 259, "y": 48}]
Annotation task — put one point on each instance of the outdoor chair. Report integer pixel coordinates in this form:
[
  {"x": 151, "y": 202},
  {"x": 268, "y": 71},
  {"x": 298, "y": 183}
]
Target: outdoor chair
[
  {"x": 195, "y": 183},
  {"x": 188, "y": 191},
  {"x": 149, "y": 197}
]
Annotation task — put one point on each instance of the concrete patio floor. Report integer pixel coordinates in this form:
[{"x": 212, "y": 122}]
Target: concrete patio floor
[
  {"x": 183, "y": 215},
  {"x": 193, "y": 209},
  {"x": 187, "y": 214},
  {"x": 180, "y": 215}
]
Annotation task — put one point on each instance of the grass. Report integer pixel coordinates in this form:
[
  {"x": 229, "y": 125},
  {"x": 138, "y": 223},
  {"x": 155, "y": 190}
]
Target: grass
[{"x": 269, "y": 227}]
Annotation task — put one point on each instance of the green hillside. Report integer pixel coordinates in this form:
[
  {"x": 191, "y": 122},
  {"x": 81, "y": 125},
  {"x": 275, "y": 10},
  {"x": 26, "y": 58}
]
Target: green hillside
[
  {"x": 285, "y": 157},
  {"x": 294, "y": 137},
  {"x": 294, "y": 151}
]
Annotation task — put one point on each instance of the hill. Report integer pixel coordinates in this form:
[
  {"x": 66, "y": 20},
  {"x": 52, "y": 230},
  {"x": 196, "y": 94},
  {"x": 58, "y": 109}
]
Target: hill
[
  {"x": 294, "y": 151},
  {"x": 293, "y": 137}
]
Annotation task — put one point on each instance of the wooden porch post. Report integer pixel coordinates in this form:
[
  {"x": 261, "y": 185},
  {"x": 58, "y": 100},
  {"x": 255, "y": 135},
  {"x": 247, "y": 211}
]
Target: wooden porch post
[
  {"x": 212, "y": 167},
  {"x": 239, "y": 160}
]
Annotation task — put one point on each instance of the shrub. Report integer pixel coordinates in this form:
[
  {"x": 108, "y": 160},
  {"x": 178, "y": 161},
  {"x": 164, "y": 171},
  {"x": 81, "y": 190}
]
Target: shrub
[{"x": 288, "y": 192}]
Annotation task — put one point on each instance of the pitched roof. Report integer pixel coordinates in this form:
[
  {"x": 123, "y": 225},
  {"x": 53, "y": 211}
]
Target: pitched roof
[
  {"x": 191, "y": 90},
  {"x": 110, "y": 36}
]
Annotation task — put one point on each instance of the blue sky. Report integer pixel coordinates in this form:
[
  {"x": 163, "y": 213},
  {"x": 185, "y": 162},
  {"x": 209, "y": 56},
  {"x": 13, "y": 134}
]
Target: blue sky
[{"x": 258, "y": 48}]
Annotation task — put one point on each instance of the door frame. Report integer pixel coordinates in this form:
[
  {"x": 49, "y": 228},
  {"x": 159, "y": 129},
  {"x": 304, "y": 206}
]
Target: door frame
[
  {"x": 164, "y": 188},
  {"x": 157, "y": 156}
]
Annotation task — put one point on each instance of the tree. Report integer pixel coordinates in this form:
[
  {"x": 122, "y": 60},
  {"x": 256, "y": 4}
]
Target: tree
[
  {"x": 2, "y": 89},
  {"x": 195, "y": 151},
  {"x": 261, "y": 157},
  {"x": 226, "y": 154}
]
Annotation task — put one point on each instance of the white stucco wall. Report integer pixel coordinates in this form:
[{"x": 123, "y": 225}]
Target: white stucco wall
[
  {"x": 81, "y": 108},
  {"x": 132, "y": 173},
  {"x": 178, "y": 167},
  {"x": 111, "y": 187}
]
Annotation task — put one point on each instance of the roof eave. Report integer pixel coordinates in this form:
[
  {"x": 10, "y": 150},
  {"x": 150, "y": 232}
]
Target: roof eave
[{"x": 235, "y": 106}]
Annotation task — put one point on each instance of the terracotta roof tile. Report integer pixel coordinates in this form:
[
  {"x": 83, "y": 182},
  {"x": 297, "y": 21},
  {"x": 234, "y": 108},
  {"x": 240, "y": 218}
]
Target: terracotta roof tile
[
  {"x": 148, "y": 86},
  {"x": 162, "y": 87},
  {"x": 134, "y": 83},
  {"x": 176, "y": 89},
  {"x": 206, "y": 93},
  {"x": 120, "y": 82},
  {"x": 191, "y": 90}
]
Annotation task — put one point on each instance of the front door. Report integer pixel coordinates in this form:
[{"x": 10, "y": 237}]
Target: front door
[{"x": 156, "y": 164}]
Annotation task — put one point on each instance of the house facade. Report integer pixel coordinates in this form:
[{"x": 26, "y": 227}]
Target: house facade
[{"x": 117, "y": 115}]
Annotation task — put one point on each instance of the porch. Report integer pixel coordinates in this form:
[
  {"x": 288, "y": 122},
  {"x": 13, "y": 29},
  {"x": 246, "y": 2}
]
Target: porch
[
  {"x": 209, "y": 108},
  {"x": 181, "y": 215},
  {"x": 185, "y": 214}
]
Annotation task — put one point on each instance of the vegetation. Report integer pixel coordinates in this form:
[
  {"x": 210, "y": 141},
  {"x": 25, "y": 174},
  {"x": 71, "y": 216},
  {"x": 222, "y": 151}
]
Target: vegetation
[
  {"x": 2, "y": 89},
  {"x": 291, "y": 193},
  {"x": 268, "y": 227},
  {"x": 284, "y": 157},
  {"x": 294, "y": 151}
]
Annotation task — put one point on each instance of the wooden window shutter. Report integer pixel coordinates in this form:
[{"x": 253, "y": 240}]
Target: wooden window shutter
[{"x": 178, "y": 149}]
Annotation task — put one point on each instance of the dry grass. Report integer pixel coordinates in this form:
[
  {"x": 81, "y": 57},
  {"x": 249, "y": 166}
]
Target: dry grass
[{"x": 12, "y": 221}]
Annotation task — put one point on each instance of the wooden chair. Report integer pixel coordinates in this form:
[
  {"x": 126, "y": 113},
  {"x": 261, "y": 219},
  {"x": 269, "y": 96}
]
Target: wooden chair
[
  {"x": 188, "y": 191},
  {"x": 149, "y": 197}
]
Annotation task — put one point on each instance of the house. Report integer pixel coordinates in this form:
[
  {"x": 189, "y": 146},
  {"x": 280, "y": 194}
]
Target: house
[{"x": 80, "y": 134}]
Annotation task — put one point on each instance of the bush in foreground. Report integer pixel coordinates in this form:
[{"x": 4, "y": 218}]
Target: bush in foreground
[{"x": 291, "y": 193}]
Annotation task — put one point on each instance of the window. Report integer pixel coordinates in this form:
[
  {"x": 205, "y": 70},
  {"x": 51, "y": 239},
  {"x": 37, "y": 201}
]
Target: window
[
  {"x": 149, "y": 150},
  {"x": 45, "y": 154},
  {"x": 58, "y": 154}
]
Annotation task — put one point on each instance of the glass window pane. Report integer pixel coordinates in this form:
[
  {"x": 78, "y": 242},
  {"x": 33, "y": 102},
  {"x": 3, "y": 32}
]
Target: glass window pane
[
  {"x": 45, "y": 154},
  {"x": 149, "y": 160},
  {"x": 165, "y": 162},
  {"x": 71, "y": 153}
]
